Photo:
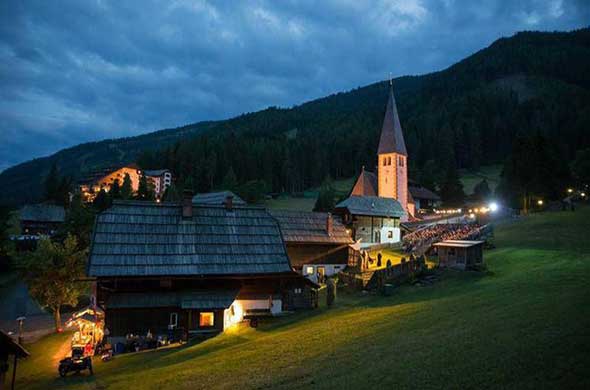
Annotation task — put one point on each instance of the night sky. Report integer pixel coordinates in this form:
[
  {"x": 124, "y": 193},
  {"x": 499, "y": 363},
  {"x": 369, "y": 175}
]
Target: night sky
[{"x": 77, "y": 71}]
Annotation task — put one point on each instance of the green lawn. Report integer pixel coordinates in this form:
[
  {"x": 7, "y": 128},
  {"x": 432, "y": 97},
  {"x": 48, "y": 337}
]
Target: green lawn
[{"x": 523, "y": 324}]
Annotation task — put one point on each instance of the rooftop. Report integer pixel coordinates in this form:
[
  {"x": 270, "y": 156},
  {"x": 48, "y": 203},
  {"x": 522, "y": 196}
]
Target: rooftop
[
  {"x": 310, "y": 227},
  {"x": 152, "y": 239},
  {"x": 43, "y": 213},
  {"x": 217, "y": 198},
  {"x": 372, "y": 206},
  {"x": 458, "y": 243}
]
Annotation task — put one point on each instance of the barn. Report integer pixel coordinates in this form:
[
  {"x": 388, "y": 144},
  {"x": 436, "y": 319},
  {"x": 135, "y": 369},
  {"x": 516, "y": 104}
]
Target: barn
[
  {"x": 462, "y": 254},
  {"x": 196, "y": 269},
  {"x": 318, "y": 245}
]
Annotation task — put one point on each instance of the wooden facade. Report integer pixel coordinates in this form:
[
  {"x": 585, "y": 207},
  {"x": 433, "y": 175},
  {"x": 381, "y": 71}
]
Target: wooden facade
[
  {"x": 315, "y": 239},
  {"x": 167, "y": 265},
  {"x": 41, "y": 219},
  {"x": 460, "y": 254}
]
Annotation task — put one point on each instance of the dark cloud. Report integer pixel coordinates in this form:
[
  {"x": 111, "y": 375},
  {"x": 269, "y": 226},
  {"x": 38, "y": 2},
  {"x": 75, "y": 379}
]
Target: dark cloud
[{"x": 75, "y": 71}]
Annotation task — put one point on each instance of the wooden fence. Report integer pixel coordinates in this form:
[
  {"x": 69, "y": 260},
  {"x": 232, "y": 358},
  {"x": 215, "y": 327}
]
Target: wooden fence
[{"x": 376, "y": 279}]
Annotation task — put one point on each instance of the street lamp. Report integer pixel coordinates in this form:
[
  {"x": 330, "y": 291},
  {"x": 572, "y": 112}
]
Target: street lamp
[
  {"x": 540, "y": 202},
  {"x": 570, "y": 190}
]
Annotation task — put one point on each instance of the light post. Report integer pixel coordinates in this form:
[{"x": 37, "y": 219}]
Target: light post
[{"x": 20, "y": 321}]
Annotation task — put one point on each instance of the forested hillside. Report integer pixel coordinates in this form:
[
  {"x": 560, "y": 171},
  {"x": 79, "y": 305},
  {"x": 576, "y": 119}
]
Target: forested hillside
[{"x": 466, "y": 115}]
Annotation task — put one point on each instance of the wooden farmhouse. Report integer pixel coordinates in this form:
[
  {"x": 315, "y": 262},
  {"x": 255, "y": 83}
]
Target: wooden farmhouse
[
  {"x": 197, "y": 269},
  {"x": 460, "y": 254},
  {"x": 318, "y": 244},
  {"x": 41, "y": 219}
]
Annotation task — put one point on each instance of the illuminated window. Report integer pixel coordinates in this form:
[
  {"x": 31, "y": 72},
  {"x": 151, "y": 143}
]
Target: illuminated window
[
  {"x": 206, "y": 319},
  {"x": 309, "y": 270},
  {"x": 174, "y": 319}
]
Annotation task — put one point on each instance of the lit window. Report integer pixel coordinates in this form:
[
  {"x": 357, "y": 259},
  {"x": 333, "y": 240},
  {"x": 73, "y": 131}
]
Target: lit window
[
  {"x": 174, "y": 319},
  {"x": 206, "y": 319},
  {"x": 309, "y": 270}
]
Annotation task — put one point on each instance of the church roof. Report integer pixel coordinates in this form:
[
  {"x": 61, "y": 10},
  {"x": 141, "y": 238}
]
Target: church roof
[
  {"x": 392, "y": 137},
  {"x": 372, "y": 206},
  {"x": 365, "y": 185}
]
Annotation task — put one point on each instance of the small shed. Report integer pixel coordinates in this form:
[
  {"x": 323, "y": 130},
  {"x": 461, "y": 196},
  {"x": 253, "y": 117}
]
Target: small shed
[
  {"x": 460, "y": 254},
  {"x": 41, "y": 218},
  {"x": 9, "y": 347}
]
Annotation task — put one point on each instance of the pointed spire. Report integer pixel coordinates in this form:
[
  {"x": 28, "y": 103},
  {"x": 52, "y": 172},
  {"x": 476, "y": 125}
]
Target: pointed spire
[{"x": 392, "y": 136}]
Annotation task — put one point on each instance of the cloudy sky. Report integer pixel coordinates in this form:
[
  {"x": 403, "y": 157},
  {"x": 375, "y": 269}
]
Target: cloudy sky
[{"x": 76, "y": 71}]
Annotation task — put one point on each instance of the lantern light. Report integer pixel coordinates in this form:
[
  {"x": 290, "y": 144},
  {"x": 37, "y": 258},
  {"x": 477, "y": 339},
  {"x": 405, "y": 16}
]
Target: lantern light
[{"x": 540, "y": 202}]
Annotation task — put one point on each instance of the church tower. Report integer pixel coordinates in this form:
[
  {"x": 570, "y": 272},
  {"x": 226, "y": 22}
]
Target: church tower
[{"x": 392, "y": 168}]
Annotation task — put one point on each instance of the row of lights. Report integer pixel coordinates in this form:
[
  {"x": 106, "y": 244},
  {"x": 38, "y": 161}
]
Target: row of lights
[{"x": 450, "y": 211}]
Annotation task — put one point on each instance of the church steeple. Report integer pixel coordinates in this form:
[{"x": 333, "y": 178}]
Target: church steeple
[
  {"x": 392, "y": 137},
  {"x": 392, "y": 168}
]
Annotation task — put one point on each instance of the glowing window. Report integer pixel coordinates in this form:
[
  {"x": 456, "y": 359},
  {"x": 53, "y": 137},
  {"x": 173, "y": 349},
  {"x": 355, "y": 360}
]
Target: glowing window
[
  {"x": 309, "y": 270},
  {"x": 206, "y": 319},
  {"x": 173, "y": 319}
]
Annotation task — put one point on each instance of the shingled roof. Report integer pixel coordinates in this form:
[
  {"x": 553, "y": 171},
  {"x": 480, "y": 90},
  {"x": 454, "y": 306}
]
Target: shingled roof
[
  {"x": 392, "y": 136},
  {"x": 209, "y": 299},
  {"x": 217, "y": 198},
  {"x": 365, "y": 185},
  {"x": 152, "y": 239},
  {"x": 372, "y": 206},
  {"x": 310, "y": 227},
  {"x": 43, "y": 213}
]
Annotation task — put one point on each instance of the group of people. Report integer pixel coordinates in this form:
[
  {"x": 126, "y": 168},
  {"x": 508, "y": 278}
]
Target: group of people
[{"x": 440, "y": 232}]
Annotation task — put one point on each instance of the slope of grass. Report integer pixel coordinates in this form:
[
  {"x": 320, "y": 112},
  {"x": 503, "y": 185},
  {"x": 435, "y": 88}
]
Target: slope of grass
[{"x": 523, "y": 324}]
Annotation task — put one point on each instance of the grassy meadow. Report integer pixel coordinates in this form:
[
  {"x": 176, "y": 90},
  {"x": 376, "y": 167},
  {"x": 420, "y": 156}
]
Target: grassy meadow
[{"x": 524, "y": 324}]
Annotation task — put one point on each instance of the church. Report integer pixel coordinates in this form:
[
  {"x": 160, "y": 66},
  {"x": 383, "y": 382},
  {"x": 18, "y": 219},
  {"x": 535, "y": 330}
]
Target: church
[{"x": 378, "y": 203}]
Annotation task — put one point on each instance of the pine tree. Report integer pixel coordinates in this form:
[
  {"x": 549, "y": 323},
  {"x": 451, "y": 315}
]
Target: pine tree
[
  {"x": 172, "y": 194},
  {"x": 102, "y": 201},
  {"x": 325, "y": 200},
  {"x": 51, "y": 184},
  {"x": 63, "y": 192},
  {"x": 230, "y": 181},
  {"x": 127, "y": 187},
  {"x": 428, "y": 175},
  {"x": 144, "y": 191},
  {"x": 115, "y": 190},
  {"x": 482, "y": 190},
  {"x": 451, "y": 190}
]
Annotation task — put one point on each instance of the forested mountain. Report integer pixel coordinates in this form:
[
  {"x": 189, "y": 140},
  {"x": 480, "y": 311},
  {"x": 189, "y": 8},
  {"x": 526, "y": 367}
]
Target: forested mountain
[{"x": 466, "y": 115}]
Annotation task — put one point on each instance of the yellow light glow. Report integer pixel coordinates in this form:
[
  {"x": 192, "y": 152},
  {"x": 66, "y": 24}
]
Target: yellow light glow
[
  {"x": 583, "y": 194},
  {"x": 472, "y": 215},
  {"x": 235, "y": 314},
  {"x": 570, "y": 190},
  {"x": 540, "y": 202}
]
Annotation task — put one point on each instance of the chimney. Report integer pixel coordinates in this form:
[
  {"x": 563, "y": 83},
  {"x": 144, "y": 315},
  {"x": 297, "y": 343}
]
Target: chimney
[
  {"x": 187, "y": 204},
  {"x": 229, "y": 203},
  {"x": 329, "y": 224}
]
